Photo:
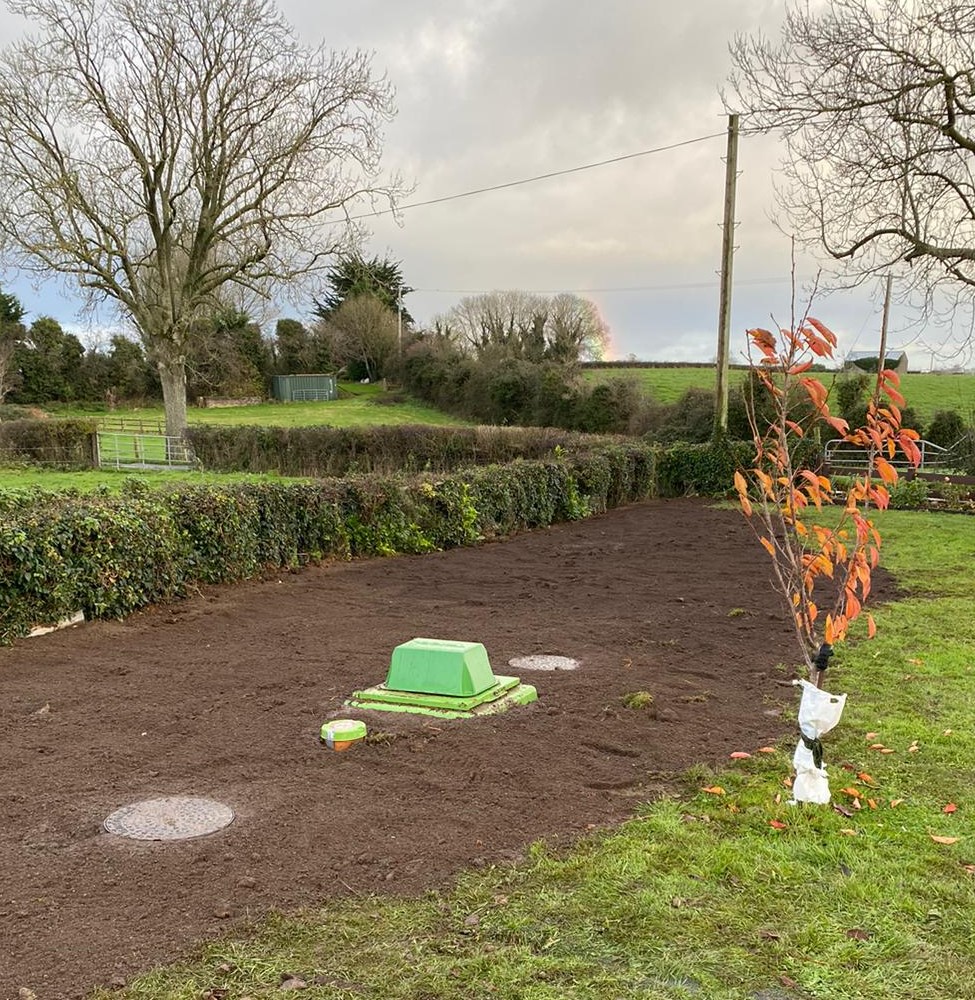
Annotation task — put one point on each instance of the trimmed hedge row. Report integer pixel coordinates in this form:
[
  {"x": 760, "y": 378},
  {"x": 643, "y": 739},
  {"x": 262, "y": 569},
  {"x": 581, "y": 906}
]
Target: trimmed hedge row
[
  {"x": 341, "y": 451},
  {"x": 109, "y": 555},
  {"x": 63, "y": 443}
]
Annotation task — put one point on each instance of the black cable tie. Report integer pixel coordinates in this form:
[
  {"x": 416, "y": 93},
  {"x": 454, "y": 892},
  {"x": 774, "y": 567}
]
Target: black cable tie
[
  {"x": 815, "y": 747},
  {"x": 822, "y": 657}
]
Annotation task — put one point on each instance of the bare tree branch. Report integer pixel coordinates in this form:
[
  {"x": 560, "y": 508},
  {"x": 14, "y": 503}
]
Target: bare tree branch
[
  {"x": 874, "y": 101},
  {"x": 156, "y": 151}
]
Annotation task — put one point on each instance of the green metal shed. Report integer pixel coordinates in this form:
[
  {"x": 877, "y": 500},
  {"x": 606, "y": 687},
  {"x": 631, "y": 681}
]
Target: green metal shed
[{"x": 304, "y": 388}]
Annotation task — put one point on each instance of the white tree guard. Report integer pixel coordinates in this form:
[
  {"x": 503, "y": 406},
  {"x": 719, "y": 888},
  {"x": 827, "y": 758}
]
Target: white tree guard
[{"x": 819, "y": 712}]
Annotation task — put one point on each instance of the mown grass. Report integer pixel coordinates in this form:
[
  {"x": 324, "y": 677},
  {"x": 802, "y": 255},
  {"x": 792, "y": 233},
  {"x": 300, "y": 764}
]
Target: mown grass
[
  {"x": 36, "y": 478},
  {"x": 926, "y": 393},
  {"x": 700, "y": 895},
  {"x": 360, "y": 405}
]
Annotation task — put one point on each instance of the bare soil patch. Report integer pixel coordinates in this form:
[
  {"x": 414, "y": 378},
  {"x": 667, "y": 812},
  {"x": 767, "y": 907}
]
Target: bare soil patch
[{"x": 223, "y": 696}]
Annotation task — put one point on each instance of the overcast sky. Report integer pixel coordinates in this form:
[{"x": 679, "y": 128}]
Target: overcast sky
[{"x": 491, "y": 91}]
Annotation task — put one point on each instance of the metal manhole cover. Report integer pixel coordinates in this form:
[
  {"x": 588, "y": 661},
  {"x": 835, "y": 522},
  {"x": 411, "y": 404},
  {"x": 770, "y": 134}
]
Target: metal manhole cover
[
  {"x": 542, "y": 662},
  {"x": 173, "y": 818}
]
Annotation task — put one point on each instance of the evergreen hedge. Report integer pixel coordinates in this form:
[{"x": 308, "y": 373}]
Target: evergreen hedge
[
  {"x": 340, "y": 451},
  {"x": 110, "y": 554},
  {"x": 62, "y": 443}
]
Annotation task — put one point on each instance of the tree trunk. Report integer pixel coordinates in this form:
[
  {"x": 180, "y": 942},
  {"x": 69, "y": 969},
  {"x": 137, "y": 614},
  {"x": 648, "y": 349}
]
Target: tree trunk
[{"x": 172, "y": 375}]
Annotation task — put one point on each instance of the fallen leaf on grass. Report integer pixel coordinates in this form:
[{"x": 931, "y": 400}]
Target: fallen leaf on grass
[
  {"x": 913, "y": 748},
  {"x": 787, "y": 782},
  {"x": 894, "y": 803},
  {"x": 858, "y": 934},
  {"x": 788, "y": 982},
  {"x": 872, "y": 803},
  {"x": 970, "y": 869},
  {"x": 871, "y": 736},
  {"x": 770, "y": 936},
  {"x": 887, "y": 750},
  {"x": 847, "y": 832},
  {"x": 916, "y": 662},
  {"x": 854, "y": 793},
  {"x": 947, "y": 732},
  {"x": 739, "y": 755},
  {"x": 777, "y": 824},
  {"x": 866, "y": 779},
  {"x": 877, "y": 746},
  {"x": 765, "y": 750},
  {"x": 714, "y": 790},
  {"x": 943, "y": 840},
  {"x": 950, "y": 808},
  {"x": 842, "y": 810}
]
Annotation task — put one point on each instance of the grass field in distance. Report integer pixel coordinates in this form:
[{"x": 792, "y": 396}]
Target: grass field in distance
[
  {"x": 360, "y": 406},
  {"x": 925, "y": 392}
]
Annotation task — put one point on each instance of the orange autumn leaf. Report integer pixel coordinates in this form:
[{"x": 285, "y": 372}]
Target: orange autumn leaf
[
  {"x": 894, "y": 803},
  {"x": 950, "y": 808},
  {"x": 871, "y": 627},
  {"x": 871, "y": 736},
  {"x": 865, "y": 778},
  {"x": 714, "y": 790},
  {"x": 769, "y": 547},
  {"x": 854, "y": 793},
  {"x": 777, "y": 824},
  {"x": 885, "y": 470},
  {"x": 943, "y": 840},
  {"x": 739, "y": 755},
  {"x": 876, "y": 746},
  {"x": 872, "y": 803},
  {"x": 765, "y": 750},
  {"x": 887, "y": 750}
]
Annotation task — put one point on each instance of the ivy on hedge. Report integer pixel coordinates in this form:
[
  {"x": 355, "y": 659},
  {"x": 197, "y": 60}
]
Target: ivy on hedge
[{"x": 110, "y": 554}]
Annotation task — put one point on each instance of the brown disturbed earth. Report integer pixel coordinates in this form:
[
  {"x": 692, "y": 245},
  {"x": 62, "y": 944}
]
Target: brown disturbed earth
[{"x": 223, "y": 695}]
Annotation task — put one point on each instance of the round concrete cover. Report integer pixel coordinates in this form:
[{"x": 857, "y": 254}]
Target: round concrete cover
[
  {"x": 542, "y": 662},
  {"x": 173, "y": 818}
]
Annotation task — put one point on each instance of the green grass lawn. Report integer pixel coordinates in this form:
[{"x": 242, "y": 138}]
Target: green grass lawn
[
  {"x": 700, "y": 895},
  {"x": 925, "y": 392},
  {"x": 360, "y": 405},
  {"x": 35, "y": 478}
]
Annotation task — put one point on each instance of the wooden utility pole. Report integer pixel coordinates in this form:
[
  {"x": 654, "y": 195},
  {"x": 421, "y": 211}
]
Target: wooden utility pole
[{"x": 727, "y": 259}]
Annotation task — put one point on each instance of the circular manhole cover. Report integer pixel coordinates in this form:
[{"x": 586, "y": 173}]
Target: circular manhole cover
[
  {"x": 543, "y": 662},
  {"x": 174, "y": 818}
]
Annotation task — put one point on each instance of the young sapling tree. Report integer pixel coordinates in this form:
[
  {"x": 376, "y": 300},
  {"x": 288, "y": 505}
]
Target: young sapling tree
[{"x": 778, "y": 495}]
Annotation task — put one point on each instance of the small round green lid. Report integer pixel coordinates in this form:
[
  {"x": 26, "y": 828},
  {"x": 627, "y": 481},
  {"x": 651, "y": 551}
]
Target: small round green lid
[{"x": 342, "y": 730}]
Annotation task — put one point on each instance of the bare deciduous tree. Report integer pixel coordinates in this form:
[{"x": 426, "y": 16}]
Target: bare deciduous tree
[
  {"x": 874, "y": 100},
  {"x": 563, "y": 328},
  {"x": 157, "y": 151},
  {"x": 361, "y": 332}
]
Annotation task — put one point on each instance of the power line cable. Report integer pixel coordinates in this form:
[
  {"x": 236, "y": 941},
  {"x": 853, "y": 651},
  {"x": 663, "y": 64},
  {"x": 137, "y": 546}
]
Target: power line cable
[
  {"x": 587, "y": 291},
  {"x": 537, "y": 177}
]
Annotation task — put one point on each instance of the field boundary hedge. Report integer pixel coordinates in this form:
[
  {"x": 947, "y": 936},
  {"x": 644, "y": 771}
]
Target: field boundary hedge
[
  {"x": 341, "y": 451},
  {"x": 109, "y": 555},
  {"x": 62, "y": 443}
]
